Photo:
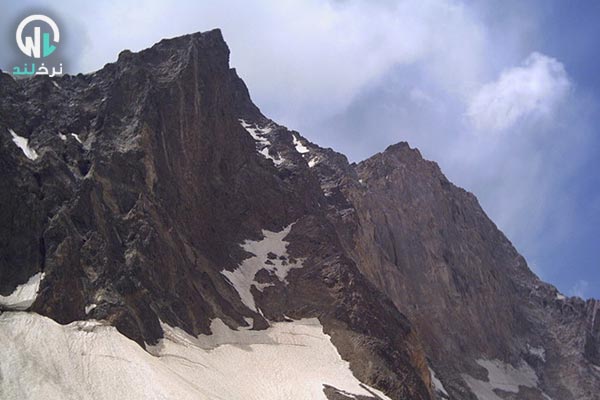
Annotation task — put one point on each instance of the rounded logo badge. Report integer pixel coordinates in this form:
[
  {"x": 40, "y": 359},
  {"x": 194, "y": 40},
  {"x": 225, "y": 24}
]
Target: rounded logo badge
[{"x": 40, "y": 45}]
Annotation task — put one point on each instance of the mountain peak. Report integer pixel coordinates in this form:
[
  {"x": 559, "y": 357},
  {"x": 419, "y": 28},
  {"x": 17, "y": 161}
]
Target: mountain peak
[
  {"x": 204, "y": 50},
  {"x": 403, "y": 149}
]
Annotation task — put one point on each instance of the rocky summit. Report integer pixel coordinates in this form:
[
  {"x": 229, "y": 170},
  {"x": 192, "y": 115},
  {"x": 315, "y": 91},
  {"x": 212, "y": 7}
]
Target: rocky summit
[{"x": 163, "y": 239}]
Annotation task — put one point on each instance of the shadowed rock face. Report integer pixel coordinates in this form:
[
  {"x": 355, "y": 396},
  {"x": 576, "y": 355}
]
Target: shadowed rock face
[{"x": 171, "y": 168}]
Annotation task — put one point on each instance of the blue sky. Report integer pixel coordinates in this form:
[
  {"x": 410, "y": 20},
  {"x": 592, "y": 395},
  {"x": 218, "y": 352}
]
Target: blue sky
[{"x": 504, "y": 95}]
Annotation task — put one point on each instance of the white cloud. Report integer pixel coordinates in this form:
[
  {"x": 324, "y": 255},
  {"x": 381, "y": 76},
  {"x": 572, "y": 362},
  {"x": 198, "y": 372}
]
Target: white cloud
[
  {"x": 533, "y": 89},
  {"x": 420, "y": 97},
  {"x": 301, "y": 57}
]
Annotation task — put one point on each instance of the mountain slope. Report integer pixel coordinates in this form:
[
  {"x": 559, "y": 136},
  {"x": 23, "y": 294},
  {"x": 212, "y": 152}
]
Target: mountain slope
[
  {"x": 146, "y": 187},
  {"x": 430, "y": 247},
  {"x": 155, "y": 197}
]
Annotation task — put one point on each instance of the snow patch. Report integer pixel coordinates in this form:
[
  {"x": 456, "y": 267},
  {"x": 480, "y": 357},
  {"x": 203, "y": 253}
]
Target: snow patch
[
  {"x": 278, "y": 160},
  {"x": 300, "y": 148},
  {"x": 90, "y": 307},
  {"x": 503, "y": 377},
  {"x": 24, "y": 295},
  {"x": 437, "y": 384},
  {"x": 87, "y": 360},
  {"x": 560, "y": 296},
  {"x": 262, "y": 143},
  {"x": 249, "y": 321},
  {"x": 242, "y": 278},
  {"x": 313, "y": 161},
  {"x": 539, "y": 352},
  {"x": 256, "y": 132},
  {"x": 76, "y": 136},
  {"x": 23, "y": 144},
  {"x": 56, "y": 85},
  {"x": 62, "y": 137}
]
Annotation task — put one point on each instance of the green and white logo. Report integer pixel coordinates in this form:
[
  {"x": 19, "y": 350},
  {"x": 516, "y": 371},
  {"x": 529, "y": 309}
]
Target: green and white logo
[
  {"x": 31, "y": 46},
  {"x": 37, "y": 36}
]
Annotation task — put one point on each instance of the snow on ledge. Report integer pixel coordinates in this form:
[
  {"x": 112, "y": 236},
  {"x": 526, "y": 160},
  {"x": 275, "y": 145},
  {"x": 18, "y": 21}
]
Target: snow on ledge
[
  {"x": 242, "y": 278},
  {"x": 91, "y": 360},
  {"x": 300, "y": 148},
  {"x": 313, "y": 161},
  {"x": 23, "y": 144},
  {"x": 24, "y": 295}
]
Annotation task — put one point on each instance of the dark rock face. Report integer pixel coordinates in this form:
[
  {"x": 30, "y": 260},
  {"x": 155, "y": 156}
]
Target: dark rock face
[{"x": 151, "y": 173}]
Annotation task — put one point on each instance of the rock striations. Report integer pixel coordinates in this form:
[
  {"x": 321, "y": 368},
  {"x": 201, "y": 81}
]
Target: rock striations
[{"x": 152, "y": 201}]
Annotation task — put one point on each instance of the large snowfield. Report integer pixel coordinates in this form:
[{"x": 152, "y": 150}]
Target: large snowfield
[{"x": 42, "y": 359}]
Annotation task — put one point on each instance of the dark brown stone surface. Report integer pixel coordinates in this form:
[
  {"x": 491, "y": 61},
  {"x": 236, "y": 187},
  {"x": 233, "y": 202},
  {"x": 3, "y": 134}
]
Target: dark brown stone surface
[{"x": 470, "y": 295}]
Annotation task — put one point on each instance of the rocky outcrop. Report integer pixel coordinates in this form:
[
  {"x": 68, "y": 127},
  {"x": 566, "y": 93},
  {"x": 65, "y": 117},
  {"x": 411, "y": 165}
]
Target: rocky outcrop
[{"x": 154, "y": 177}]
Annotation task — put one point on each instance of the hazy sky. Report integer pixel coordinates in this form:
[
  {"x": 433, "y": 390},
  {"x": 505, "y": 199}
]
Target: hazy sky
[{"x": 503, "y": 95}]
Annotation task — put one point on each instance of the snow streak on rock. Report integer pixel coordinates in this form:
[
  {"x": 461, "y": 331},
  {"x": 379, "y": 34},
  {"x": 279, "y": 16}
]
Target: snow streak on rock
[
  {"x": 437, "y": 384},
  {"x": 538, "y": 352},
  {"x": 23, "y": 144},
  {"x": 76, "y": 136},
  {"x": 270, "y": 254},
  {"x": 262, "y": 143},
  {"x": 90, "y": 307}
]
